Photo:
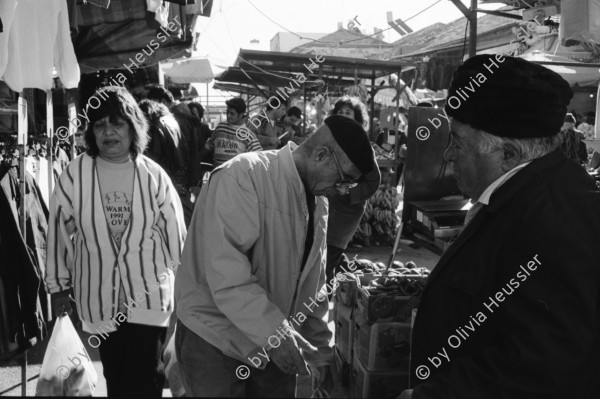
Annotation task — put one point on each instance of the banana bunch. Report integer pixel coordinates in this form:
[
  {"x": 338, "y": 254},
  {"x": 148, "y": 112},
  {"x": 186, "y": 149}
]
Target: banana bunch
[
  {"x": 379, "y": 216},
  {"x": 386, "y": 197}
]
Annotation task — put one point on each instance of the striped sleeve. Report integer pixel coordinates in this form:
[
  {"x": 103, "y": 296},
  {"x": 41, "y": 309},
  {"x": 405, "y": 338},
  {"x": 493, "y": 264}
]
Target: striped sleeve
[
  {"x": 59, "y": 260},
  {"x": 173, "y": 228},
  {"x": 252, "y": 143}
]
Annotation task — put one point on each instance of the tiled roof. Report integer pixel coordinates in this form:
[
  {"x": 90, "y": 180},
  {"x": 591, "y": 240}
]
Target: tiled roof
[
  {"x": 435, "y": 37},
  {"x": 421, "y": 36},
  {"x": 345, "y": 35}
]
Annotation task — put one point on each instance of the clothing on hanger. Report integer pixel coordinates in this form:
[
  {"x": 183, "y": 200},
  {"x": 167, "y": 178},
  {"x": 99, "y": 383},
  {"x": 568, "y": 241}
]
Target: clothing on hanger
[
  {"x": 37, "y": 40},
  {"x": 24, "y": 308}
]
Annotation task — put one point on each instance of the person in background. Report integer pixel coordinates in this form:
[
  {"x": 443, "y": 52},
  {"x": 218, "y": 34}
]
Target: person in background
[
  {"x": 289, "y": 125},
  {"x": 254, "y": 259},
  {"x": 511, "y": 310},
  {"x": 267, "y": 132},
  {"x": 114, "y": 242},
  {"x": 587, "y": 127},
  {"x": 573, "y": 145},
  {"x": 346, "y": 208},
  {"x": 189, "y": 130},
  {"x": 233, "y": 137},
  {"x": 164, "y": 145},
  {"x": 280, "y": 127},
  {"x": 204, "y": 131}
]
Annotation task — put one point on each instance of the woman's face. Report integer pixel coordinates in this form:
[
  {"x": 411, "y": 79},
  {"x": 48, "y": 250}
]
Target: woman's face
[
  {"x": 347, "y": 112},
  {"x": 113, "y": 138}
]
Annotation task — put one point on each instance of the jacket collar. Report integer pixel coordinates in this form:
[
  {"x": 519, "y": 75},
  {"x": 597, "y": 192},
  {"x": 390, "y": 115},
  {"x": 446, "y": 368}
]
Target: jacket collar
[
  {"x": 289, "y": 167},
  {"x": 497, "y": 201}
]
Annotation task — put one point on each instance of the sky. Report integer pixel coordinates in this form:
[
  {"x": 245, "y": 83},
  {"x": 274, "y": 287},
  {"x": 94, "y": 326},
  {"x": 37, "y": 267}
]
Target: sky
[{"x": 234, "y": 23}]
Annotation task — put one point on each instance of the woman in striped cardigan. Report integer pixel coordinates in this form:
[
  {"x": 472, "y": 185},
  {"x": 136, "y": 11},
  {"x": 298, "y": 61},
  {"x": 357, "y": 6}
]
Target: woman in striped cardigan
[{"x": 116, "y": 234}]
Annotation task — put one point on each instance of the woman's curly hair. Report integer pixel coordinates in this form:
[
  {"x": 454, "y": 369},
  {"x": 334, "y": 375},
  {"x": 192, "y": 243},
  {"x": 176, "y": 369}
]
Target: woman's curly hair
[
  {"x": 115, "y": 101},
  {"x": 360, "y": 110}
]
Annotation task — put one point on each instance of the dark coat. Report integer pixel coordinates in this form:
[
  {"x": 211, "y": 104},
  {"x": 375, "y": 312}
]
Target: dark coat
[
  {"x": 23, "y": 299},
  {"x": 542, "y": 339},
  {"x": 165, "y": 147}
]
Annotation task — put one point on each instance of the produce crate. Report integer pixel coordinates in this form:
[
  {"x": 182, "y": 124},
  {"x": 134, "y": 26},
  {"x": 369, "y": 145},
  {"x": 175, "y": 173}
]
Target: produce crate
[
  {"x": 376, "y": 384},
  {"x": 346, "y": 292},
  {"x": 383, "y": 346},
  {"x": 343, "y": 331},
  {"x": 386, "y": 307}
]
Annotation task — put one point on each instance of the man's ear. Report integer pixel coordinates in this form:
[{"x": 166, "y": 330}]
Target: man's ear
[
  {"x": 512, "y": 156},
  {"x": 321, "y": 153}
]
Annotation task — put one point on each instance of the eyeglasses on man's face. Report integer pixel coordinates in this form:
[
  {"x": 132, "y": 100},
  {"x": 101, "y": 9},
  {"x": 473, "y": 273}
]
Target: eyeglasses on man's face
[{"x": 345, "y": 184}]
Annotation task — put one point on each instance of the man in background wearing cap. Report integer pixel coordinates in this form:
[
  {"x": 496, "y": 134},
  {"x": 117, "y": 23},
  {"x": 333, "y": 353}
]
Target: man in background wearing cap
[
  {"x": 511, "y": 310},
  {"x": 251, "y": 289},
  {"x": 233, "y": 137}
]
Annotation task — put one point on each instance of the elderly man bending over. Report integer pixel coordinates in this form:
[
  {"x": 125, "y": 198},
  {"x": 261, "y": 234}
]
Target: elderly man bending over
[{"x": 251, "y": 288}]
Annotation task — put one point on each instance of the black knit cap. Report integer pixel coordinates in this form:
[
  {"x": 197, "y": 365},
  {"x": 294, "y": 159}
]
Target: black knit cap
[
  {"x": 508, "y": 97},
  {"x": 353, "y": 140}
]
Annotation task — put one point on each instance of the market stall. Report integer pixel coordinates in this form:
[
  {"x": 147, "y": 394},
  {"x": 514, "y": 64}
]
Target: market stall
[{"x": 44, "y": 48}]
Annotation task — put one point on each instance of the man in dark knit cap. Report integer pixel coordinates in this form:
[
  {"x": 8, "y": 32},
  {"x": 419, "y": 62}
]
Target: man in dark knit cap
[
  {"x": 251, "y": 291},
  {"x": 512, "y": 309}
]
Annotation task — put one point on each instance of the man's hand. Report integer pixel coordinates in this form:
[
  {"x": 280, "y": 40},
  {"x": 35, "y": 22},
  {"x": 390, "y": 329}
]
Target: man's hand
[
  {"x": 275, "y": 141},
  {"x": 406, "y": 394},
  {"x": 287, "y": 356}
]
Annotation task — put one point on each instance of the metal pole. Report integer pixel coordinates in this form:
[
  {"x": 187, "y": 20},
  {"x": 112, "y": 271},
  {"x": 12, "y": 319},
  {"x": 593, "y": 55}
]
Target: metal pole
[
  {"x": 22, "y": 140},
  {"x": 473, "y": 29},
  {"x": 50, "y": 144},
  {"x": 304, "y": 113},
  {"x": 373, "y": 92},
  {"x": 72, "y": 115},
  {"x": 161, "y": 75},
  {"x": 597, "y": 125}
]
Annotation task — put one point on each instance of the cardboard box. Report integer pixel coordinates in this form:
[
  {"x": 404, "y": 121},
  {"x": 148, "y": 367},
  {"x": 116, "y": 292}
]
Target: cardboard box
[
  {"x": 376, "y": 384},
  {"x": 346, "y": 292},
  {"x": 385, "y": 307},
  {"x": 383, "y": 346},
  {"x": 343, "y": 331}
]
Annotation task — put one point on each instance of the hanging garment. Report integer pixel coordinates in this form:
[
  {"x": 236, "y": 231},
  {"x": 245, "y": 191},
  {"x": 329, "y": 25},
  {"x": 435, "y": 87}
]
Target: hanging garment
[
  {"x": 38, "y": 168},
  {"x": 7, "y": 13},
  {"x": 22, "y": 294},
  {"x": 37, "y": 39}
]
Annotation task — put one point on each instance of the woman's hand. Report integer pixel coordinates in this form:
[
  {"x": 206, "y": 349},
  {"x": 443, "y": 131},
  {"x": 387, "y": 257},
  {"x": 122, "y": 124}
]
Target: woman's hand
[{"x": 63, "y": 302}]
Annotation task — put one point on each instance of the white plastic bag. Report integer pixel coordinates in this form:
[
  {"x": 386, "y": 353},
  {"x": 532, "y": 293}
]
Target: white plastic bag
[{"x": 67, "y": 369}]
